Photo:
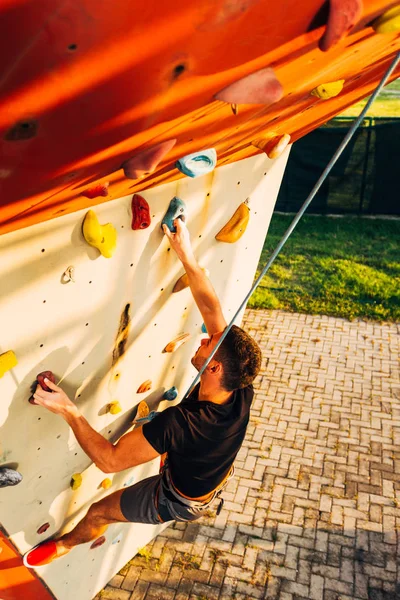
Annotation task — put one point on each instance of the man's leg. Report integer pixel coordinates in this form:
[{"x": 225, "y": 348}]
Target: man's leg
[{"x": 99, "y": 516}]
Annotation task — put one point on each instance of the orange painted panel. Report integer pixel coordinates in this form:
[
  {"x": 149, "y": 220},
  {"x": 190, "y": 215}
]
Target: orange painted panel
[
  {"x": 86, "y": 85},
  {"x": 16, "y": 581}
]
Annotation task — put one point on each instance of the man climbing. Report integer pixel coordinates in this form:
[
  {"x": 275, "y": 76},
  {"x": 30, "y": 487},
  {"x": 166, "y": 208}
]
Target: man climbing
[{"x": 202, "y": 435}]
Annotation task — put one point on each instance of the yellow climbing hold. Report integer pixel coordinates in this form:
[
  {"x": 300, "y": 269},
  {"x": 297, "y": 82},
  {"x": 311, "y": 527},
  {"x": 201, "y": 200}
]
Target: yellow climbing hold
[
  {"x": 106, "y": 483},
  {"x": 8, "y": 361},
  {"x": 236, "y": 226},
  {"x": 328, "y": 90},
  {"x": 142, "y": 410},
  {"x": 102, "y": 237},
  {"x": 389, "y": 22},
  {"x": 183, "y": 282},
  {"x": 76, "y": 481},
  {"x": 114, "y": 407}
]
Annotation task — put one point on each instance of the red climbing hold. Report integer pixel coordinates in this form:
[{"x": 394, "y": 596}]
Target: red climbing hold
[
  {"x": 343, "y": 15},
  {"x": 99, "y": 542},
  {"x": 40, "y": 380},
  {"x": 101, "y": 189},
  {"x": 261, "y": 87},
  {"x": 140, "y": 213},
  {"x": 146, "y": 161},
  {"x": 43, "y": 528}
]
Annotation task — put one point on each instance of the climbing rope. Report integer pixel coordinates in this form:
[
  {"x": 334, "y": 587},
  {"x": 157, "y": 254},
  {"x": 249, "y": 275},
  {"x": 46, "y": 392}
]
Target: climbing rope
[{"x": 298, "y": 216}]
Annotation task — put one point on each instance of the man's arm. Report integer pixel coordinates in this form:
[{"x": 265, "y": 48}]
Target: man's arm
[
  {"x": 132, "y": 448},
  {"x": 201, "y": 287}
]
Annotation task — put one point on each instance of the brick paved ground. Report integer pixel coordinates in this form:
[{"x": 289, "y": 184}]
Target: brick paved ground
[{"x": 314, "y": 509}]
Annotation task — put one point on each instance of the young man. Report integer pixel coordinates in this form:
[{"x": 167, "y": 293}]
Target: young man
[{"x": 202, "y": 435}]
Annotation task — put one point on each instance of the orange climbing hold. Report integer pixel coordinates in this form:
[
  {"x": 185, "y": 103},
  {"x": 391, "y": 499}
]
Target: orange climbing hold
[
  {"x": 183, "y": 282},
  {"x": 140, "y": 213},
  {"x": 145, "y": 162},
  {"x": 343, "y": 15},
  {"x": 101, "y": 189},
  {"x": 274, "y": 145},
  {"x": 106, "y": 483},
  {"x": 261, "y": 87},
  {"x": 177, "y": 342},
  {"x": 144, "y": 387},
  {"x": 236, "y": 226},
  {"x": 143, "y": 410}
]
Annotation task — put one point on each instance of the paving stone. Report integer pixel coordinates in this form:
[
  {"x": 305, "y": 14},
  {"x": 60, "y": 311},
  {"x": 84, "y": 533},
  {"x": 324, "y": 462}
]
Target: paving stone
[{"x": 310, "y": 513}]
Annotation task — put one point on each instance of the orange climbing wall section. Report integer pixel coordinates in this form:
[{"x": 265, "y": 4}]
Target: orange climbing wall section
[
  {"x": 86, "y": 84},
  {"x": 16, "y": 581}
]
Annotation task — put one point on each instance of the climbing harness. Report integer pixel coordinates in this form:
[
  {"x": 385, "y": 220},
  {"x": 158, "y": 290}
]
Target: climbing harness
[{"x": 298, "y": 216}]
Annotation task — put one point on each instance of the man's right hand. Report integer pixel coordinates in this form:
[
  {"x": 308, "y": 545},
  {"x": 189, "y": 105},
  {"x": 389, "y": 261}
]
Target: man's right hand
[{"x": 180, "y": 242}]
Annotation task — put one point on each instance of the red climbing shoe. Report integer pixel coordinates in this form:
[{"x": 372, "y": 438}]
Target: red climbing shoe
[{"x": 42, "y": 554}]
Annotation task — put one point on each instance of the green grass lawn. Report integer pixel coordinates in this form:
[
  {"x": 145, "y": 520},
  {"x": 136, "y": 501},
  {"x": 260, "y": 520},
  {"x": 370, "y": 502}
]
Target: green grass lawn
[
  {"x": 386, "y": 105},
  {"x": 345, "y": 267}
]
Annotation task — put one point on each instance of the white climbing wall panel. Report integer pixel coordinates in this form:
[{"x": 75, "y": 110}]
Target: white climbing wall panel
[{"x": 71, "y": 328}]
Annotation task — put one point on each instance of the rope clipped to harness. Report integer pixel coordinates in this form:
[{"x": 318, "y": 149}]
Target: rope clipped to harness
[{"x": 298, "y": 216}]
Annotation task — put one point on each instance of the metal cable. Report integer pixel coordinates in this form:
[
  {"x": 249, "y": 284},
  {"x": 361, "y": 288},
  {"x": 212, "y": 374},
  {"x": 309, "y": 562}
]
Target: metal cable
[{"x": 298, "y": 216}]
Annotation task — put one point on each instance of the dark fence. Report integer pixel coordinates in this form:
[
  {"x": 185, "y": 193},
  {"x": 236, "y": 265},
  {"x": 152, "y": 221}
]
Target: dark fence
[{"x": 365, "y": 179}]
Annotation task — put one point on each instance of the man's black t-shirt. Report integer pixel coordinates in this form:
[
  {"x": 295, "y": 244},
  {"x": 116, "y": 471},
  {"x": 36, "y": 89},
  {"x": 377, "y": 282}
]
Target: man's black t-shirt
[{"x": 201, "y": 438}]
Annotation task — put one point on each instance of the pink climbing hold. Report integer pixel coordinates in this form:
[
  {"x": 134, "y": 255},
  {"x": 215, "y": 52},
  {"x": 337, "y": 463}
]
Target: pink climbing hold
[
  {"x": 99, "y": 542},
  {"x": 146, "y": 161},
  {"x": 43, "y": 528},
  {"x": 261, "y": 87},
  {"x": 101, "y": 189},
  {"x": 343, "y": 15}
]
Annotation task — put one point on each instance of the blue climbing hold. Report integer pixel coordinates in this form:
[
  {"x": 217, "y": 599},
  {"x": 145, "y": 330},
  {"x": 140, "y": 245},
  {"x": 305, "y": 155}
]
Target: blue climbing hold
[
  {"x": 149, "y": 417},
  {"x": 176, "y": 210},
  {"x": 198, "y": 163},
  {"x": 203, "y": 328},
  {"x": 171, "y": 394}
]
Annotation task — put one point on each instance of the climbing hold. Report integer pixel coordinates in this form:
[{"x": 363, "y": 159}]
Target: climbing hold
[
  {"x": 203, "y": 328},
  {"x": 149, "y": 417},
  {"x": 106, "y": 483},
  {"x": 197, "y": 163},
  {"x": 171, "y": 394},
  {"x": 236, "y": 226},
  {"x": 40, "y": 377},
  {"x": 328, "y": 90},
  {"x": 114, "y": 407},
  {"x": 144, "y": 387},
  {"x": 43, "y": 528},
  {"x": 140, "y": 213},
  {"x": 273, "y": 146},
  {"x": 68, "y": 275},
  {"x": 234, "y": 109},
  {"x": 177, "y": 342},
  {"x": 183, "y": 282},
  {"x": 8, "y": 361},
  {"x": 261, "y": 87},
  {"x": 389, "y": 22},
  {"x": 9, "y": 477},
  {"x": 176, "y": 210},
  {"x": 343, "y": 15},
  {"x": 142, "y": 410},
  {"x": 102, "y": 237},
  {"x": 99, "y": 542},
  {"x": 146, "y": 161},
  {"x": 129, "y": 481},
  {"x": 76, "y": 481},
  {"x": 101, "y": 189}
]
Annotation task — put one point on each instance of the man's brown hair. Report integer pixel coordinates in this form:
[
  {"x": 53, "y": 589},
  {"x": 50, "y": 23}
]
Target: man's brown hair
[{"x": 240, "y": 356}]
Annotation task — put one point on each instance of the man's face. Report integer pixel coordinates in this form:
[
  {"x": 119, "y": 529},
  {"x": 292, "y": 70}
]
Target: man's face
[{"x": 207, "y": 345}]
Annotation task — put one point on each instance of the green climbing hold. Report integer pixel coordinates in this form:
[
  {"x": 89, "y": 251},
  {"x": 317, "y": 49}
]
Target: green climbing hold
[{"x": 176, "y": 210}]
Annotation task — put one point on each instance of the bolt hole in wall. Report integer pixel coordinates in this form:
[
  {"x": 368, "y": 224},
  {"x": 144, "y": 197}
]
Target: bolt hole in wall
[
  {"x": 72, "y": 47},
  {"x": 178, "y": 70}
]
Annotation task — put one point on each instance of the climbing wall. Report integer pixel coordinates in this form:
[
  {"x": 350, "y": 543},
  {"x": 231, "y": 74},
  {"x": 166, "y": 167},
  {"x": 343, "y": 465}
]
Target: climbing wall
[{"x": 103, "y": 335}]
